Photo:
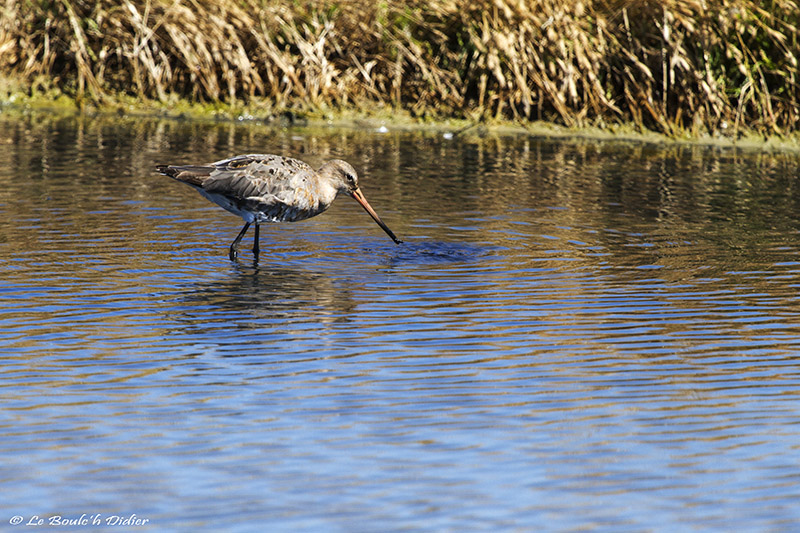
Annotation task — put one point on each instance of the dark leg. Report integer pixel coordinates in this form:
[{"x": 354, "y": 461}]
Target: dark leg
[
  {"x": 234, "y": 251},
  {"x": 256, "y": 249}
]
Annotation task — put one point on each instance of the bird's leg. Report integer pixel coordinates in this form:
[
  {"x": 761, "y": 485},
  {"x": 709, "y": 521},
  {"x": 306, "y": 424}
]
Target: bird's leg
[
  {"x": 235, "y": 244},
  {"x": 256, "y": 249}
]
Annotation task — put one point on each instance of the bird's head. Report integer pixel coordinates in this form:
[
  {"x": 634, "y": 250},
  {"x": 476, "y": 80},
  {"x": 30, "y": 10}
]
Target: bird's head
[{"x": 344, "y": 178}]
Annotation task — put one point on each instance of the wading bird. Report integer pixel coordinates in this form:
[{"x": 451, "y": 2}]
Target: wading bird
[{"x": 272, "y": 188}]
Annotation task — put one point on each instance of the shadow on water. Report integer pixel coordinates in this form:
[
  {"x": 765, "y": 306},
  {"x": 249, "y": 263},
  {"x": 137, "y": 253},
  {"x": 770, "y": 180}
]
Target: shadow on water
[
  {"x": 256, "y": 293},
  {"x": 265, "y": 291},
  {"x": 436, "y": 253},
  {"x": 416, "y": 249}
]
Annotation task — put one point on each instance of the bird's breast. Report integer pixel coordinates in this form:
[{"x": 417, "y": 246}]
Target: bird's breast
[
  {"x": 275, "y": 204},
  {"x": 230, "y": 204},
  {"x": 289, "y": 205}
]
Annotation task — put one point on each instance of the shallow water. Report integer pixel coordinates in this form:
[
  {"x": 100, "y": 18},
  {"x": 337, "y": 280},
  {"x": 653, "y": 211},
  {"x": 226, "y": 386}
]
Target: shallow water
[{"x": 575, "y": 335}]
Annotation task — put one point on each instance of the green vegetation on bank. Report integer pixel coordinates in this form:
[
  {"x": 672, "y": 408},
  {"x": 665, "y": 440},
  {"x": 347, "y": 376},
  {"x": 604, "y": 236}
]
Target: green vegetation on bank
[{"x": 677, "y": 67}]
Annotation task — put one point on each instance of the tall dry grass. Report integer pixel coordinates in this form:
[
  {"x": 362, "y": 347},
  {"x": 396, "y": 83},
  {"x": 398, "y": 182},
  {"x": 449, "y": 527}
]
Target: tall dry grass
[{"x": 672, "y": 65}]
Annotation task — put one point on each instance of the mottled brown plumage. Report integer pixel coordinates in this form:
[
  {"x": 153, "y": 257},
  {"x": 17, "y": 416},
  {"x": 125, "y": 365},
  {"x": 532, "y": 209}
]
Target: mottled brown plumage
[{"x": 272, "y": 188}]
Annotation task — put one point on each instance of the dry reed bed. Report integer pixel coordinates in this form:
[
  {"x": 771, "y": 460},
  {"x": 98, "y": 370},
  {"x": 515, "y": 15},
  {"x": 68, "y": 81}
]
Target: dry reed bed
[{"x": 674, "y": 66}]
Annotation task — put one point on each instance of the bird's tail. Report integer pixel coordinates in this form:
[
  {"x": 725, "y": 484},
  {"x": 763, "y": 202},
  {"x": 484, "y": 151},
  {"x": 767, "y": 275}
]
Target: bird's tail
[{"x": 191, "y": 174}]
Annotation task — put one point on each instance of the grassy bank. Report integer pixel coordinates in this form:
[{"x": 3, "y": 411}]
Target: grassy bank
[{"x": 678, "y": 67}]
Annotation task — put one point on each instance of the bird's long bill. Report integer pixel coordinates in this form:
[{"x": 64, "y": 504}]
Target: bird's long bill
[{"x": 358, "y": 196}]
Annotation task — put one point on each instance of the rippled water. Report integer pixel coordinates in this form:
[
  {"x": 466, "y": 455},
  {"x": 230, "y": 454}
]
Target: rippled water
[{"x": 575, "y": 335}]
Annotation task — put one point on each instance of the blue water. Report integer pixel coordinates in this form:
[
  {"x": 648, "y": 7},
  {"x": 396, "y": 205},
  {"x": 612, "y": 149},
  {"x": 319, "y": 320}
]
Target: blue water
[{"x": 576, "y": 335}]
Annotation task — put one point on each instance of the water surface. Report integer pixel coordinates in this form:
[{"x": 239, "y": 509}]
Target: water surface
[{"x": 575, "y": 335}]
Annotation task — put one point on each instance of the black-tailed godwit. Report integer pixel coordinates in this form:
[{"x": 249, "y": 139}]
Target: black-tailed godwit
[{"x": 272, "y": 188}]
